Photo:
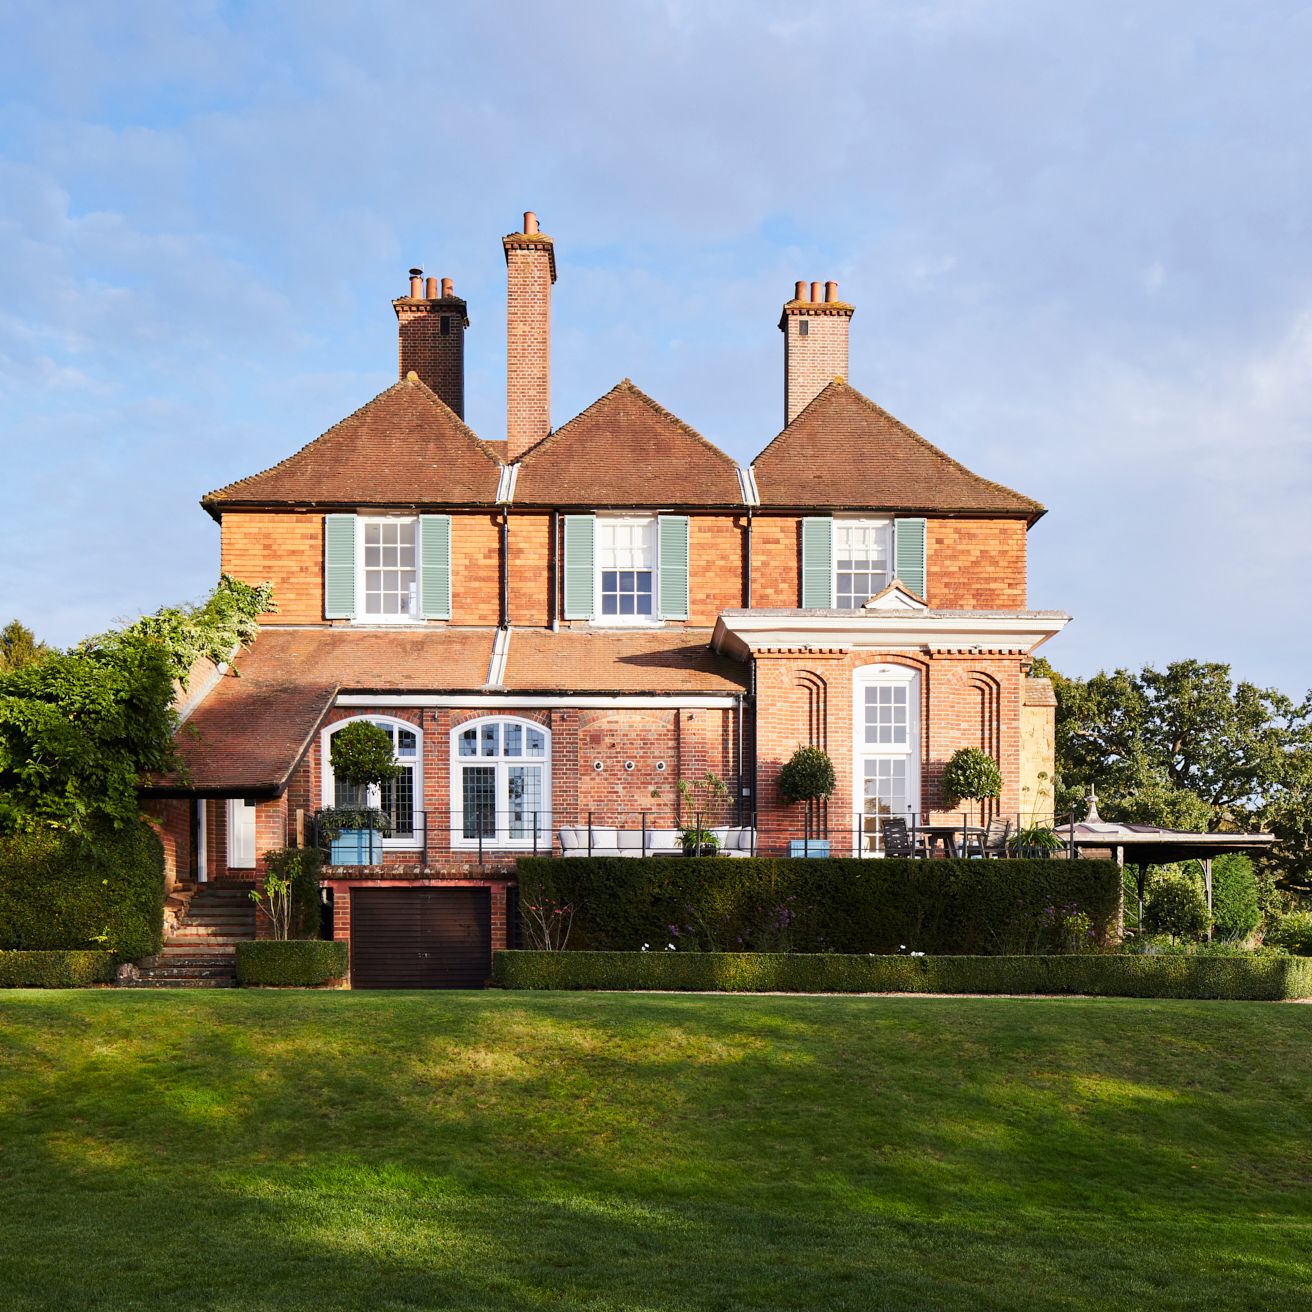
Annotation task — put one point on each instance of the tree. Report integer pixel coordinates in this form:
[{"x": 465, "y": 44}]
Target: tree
[
  {"x": 80, "y": 729},
  {"x": 1189, "y": 748},
  {"x": 971, "y": 775},
  {"x": 19, "y": 647}
]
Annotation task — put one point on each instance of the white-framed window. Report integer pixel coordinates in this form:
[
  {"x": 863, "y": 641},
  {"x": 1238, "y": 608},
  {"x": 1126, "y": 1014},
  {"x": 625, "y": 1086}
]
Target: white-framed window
[
  {"x": 626, "y": 569},
  {"x": 863, "y": 560},
  {"x": 387, "y": 569},
  {"x": 886, "y": 743},
  {"x": 400, "y": 799},
  {"x": 241, "y": 833},
  {"x": 500, "y": 783}
]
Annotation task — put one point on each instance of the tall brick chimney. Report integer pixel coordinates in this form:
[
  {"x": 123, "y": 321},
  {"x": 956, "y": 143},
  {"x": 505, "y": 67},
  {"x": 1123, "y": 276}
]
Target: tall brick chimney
[
  {"x": 431, "y": 325},
  {"x": 815, "y": 326},
  {"x": 530, "y": 271}
]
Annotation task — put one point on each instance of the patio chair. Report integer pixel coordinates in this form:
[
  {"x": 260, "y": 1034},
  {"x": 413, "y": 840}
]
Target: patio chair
[
  {"x": 897, "y": 839},
  {"x": 993, "y": 843}
]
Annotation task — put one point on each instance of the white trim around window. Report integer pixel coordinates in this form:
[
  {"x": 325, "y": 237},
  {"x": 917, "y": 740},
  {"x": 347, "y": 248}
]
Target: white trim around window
[
  {"x": 885, "y": 746},
  {"x": 408, "y": 741},
  {"x": 387, "y": 569},
  {"x": 626, "y": 576},
  {"x": 500, "y": 783},
  {"x": 863, "y": 560}
]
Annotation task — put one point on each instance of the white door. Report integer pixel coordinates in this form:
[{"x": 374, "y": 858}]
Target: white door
[
  {"x": 886, "y": 735},
  {"x": 241, "y": 834}
]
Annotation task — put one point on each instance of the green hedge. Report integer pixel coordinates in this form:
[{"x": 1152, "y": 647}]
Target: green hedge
[
  {"x": 55, "y": 970},
  {"x": 766, "y": 904},
  {"x": 58, "y": 892},
  {"x": 1257, "y": 978},
  {"x": 291, "y": 963}
]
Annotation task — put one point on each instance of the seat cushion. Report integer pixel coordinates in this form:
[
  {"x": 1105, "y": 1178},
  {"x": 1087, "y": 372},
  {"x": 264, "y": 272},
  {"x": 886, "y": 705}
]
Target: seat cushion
[
  {"x": 747, "y": 839},
  {"x": 630, "y": 839},
  {"x": 569, "y": 838},
  {"x": 663, "y": 840}
]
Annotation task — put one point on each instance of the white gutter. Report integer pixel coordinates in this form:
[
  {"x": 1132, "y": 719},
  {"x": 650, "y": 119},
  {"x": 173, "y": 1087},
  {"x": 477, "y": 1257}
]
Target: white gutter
[
  {"x": 587, "y": 702},
  {"x": 496, "y": 670}
]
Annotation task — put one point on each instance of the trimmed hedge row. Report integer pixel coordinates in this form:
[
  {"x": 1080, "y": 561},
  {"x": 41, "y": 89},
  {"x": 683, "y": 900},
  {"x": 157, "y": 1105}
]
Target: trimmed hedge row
[
  {"x": 1255, "y": 978},
  {"x": 59, "y": 892},
  {"x": 765, "y": 904},
  {"x": 55, "y": 970},
  {"x": 291, "y": 963}
]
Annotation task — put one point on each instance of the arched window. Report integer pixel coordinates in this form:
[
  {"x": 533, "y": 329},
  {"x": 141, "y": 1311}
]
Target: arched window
[
  {"x": 402, "y": 798},
  {"x": 886, "y": 742},
  {"x": 500, "y": 783}
]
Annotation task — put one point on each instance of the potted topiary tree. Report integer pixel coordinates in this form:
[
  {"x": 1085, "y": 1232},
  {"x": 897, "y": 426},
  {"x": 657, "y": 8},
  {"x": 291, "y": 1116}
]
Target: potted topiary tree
[
  {"x": 699, "y": 795},
  {"x": 970, "y": 776},
  {"x": 361, "y": 756},
  {"x": 807, "y": 776}
]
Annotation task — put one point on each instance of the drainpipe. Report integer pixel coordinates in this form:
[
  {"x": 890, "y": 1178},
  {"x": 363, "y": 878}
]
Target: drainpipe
[
  {"x": 747, "y": 571},
  {"x": 555, "y": 574},
  {"x": 505, "y": 567},
  {"x": 740, "y": 758}
]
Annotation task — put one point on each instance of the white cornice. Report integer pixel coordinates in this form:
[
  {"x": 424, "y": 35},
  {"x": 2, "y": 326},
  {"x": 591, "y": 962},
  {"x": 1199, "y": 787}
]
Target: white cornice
[{"x": 742, "y": 633}]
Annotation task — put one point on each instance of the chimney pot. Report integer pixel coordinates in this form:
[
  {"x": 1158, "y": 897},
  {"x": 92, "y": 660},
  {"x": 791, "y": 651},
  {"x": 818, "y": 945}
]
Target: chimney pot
[
  {"x": 530, "y": 222},
  {"x": 799, "y": 292},
  {"x": 816, "y": 293},
  {"x": 430, "y": 289},
  {"x": 416, "y": 283},
  {"x": 448, "y": 289},
  {"x": 831, "y": 291}
]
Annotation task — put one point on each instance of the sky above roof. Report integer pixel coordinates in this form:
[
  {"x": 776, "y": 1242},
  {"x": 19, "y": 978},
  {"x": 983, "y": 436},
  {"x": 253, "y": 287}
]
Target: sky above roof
[{"x": 1077, "y": 237}]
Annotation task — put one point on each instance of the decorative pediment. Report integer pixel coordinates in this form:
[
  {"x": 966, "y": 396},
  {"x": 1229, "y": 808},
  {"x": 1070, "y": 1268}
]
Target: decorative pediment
[{"x": 897, "y": 596}]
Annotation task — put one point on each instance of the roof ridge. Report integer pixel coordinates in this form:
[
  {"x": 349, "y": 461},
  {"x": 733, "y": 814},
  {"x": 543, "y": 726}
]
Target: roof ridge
[
  {"x": 840, "y": 386},
  {"x": 462, "y": 428},
  {"x": 628, "y": 386}
]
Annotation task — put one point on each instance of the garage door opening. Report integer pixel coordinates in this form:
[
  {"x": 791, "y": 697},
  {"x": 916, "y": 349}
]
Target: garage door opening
[{"x": 421, "y": 938}]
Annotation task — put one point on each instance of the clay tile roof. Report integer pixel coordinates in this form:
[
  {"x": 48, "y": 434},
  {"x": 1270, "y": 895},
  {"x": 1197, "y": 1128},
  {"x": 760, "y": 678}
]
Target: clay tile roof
[
  {"x": 666, "y": 660},
  {"x": 844, "y": 451},
  {"x": 625, "y": 450},
  {"x": 405, "y": 447}
]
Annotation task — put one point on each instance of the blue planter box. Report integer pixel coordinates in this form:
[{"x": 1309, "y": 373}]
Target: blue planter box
[
  {"x": 809, "y": 847},
  {"x": 357, "y": 847}
]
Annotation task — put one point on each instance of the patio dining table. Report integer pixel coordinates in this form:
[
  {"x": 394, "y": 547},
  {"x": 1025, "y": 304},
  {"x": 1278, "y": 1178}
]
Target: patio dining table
[{"x": 947, "y": 832}]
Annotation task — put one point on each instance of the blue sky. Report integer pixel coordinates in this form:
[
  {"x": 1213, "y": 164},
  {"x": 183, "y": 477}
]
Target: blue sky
[{"x": 1077, "y": 237}]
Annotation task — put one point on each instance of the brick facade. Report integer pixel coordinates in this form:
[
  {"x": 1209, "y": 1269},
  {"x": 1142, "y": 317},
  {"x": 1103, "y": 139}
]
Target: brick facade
[
  {"x": 530, "y": 271},
  {"x": 975, "y": 564},
  {"x": 815, "y": 351},
  {"x": 284, "y": 547}
]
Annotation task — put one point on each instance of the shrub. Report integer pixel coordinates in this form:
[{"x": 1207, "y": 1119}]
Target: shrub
[
  {"x": 1176, "y": 906},
  {"x": 1234, "y": 895},
  {"x": 291, "y": 963},
  {"x": 840, "y": 905},
  {"x": 970, "y": 776},
  {"x": 1256, "y": 978},
  {"x": 301, "y": 868},
  {"x": 1293, "y": 933},
  {"x": 55, "y": 970},
  {"x": 361, "y": 754},
  {"x": 806, "y": 776},
  {"x": 62, "y": 892}
]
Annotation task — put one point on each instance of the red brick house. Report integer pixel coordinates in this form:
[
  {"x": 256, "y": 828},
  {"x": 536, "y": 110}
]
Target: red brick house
[{"x": 557, "y": 627}]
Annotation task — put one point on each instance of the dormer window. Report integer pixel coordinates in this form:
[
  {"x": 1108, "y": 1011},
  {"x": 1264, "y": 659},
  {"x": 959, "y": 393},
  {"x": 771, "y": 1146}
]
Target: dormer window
[
  {"x": 626, "y": 568},
  {"x": 863, "y": 553},
  {"x": 388, "y": 573}
]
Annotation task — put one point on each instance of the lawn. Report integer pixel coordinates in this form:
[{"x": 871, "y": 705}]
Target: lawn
[{"x": 260, "y": 1150}]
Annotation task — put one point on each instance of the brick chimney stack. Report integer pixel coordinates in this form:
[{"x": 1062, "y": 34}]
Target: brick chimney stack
[
  {"x": 431, "y": 323},
  {"x": 815, "y": 327},
  {"x": 530, "y": 272}
]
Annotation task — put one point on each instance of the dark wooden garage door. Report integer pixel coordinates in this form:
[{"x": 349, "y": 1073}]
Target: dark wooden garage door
[{"x": 421, "y": 938}]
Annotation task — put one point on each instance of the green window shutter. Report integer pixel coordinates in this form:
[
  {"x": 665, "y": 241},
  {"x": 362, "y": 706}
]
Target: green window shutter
[
  {"x": 909, "y": 553},
  {"x": 674, "y": 567},
  {"x": 435, "y": 567},
  {"x": 580, "y": 561},
  {"x": 339, "y": 567},
  {"x": 818, "y": 562}
]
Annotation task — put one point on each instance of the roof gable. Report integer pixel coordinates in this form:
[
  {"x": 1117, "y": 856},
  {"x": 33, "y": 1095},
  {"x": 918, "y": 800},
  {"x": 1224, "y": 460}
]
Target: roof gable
[
  {"x": 844, "y": 451},
  {"x": 405, "y": 447},
  {"x": 626, "y": 450}
]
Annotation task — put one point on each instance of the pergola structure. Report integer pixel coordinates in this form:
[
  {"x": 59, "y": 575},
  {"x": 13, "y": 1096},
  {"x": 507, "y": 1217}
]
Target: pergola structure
[{"x": 1142, "y": 846}]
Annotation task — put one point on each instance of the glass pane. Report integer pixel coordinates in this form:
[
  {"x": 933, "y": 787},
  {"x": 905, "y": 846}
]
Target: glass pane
[
  {"x": 469, "y": 743},
  {"x": 490, "y": 740},
  {"x": 537, "y": 742},
  {"x": 524, "y": 795},
  {"x": 514, "y": 740},
  {"x": 345, "y": 794},
  {"x": 397, "y": 801},
  {"x": 372, "y": 534},
  {"x": 479, "y": 800},
  {"x": 405, "y": 742}
]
